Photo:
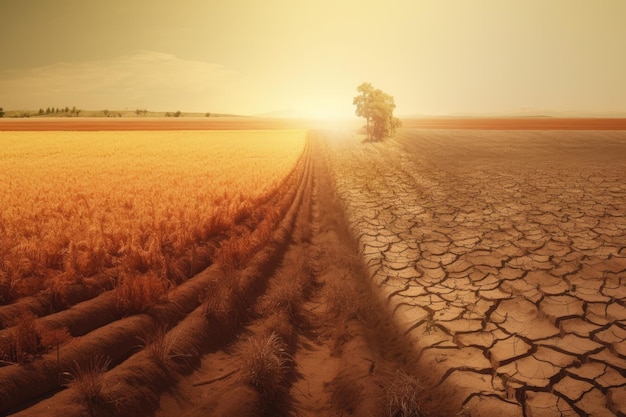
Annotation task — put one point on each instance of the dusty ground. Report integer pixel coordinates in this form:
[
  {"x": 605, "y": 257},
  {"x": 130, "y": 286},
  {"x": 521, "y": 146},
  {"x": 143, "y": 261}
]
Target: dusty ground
[{"x": 503, "y": 255}]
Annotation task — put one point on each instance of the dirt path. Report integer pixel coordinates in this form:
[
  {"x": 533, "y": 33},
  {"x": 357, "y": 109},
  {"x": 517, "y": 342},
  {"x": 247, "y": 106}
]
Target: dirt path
[
  {"x": 503, "y": 255},
  {"x": 337, "y": 355}
]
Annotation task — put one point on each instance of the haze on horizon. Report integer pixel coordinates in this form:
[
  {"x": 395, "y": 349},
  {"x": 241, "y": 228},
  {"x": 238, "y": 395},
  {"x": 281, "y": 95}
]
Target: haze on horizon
[{"x": 304, "y": 58}]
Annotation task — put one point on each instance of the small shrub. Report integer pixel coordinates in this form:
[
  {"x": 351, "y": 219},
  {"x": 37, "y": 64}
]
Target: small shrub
[
  {"x": 266, "y": 365},
  {"x": 219, "y": 309},
  {"x": 280, "y": 324},
  {"x": 287, "y": 297},
  {"x": 342, "y": 302},
  {"x": 87, "y": 382},
  {"x": 400, "y": 396},
  {"x": 160, "y": 347}
]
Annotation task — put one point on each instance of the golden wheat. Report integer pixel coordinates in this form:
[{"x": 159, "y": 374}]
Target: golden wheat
[{"x": 75, "y": 203}]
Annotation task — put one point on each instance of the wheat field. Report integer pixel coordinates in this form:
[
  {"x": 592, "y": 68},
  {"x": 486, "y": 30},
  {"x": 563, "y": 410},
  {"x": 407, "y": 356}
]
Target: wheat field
[{"x": 76, "y": 203}]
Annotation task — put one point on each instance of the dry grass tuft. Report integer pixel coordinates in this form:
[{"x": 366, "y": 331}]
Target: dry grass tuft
[
  {"x": 21, "y": 344},
  {"x": 342, "y": 300},
  {"x": 160, "y": 347},
  {"x": 280, "y": 324},
  {"x": 266, "y": 365},
  {"x": 286, "y": 297},
  {"x": 220, "y": 309},
  {"x": 136, "y": 294},
  {"x": 87, "y": 380},
  {"x": 401, "y": 396}
]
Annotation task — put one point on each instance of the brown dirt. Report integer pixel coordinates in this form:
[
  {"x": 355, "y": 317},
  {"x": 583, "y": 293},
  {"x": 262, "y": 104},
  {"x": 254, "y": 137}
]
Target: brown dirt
[{"x": 503, "y": 255}]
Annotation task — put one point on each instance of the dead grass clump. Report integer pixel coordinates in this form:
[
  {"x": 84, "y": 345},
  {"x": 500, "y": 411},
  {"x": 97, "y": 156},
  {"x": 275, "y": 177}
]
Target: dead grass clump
[
  {"x": 136, "y": 294},
  {"x": 342, "y": 301},
  {"x": 287, "y": 297},
  {"x": 160, "y": 347},
  {"x": 87, "y": 381},
  {"x": 401, "y": 396},
  {"x": 234, "y": 253},
  {"x": 219, "y": 309},
  {"x": 279, "y": 323},
  {"x": 21, "y": 344},
  {"x": 266, "y": 365}
]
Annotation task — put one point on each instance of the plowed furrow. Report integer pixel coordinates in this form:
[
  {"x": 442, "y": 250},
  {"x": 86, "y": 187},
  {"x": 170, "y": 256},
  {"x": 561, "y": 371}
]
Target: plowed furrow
[
  {"x": 116, "y": 341},
  {"x": 316, "y": 345},
  {"x": 200, "y": 257}
]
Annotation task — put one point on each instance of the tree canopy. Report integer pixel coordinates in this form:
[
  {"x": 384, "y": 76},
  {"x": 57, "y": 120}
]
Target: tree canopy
[{"x": 377, "y": 108}]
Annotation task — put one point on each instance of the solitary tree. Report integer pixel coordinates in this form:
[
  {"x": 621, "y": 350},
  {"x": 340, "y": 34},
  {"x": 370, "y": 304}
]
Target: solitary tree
[
  {"x": 1, "y": 112},
  {"x": 377, "y": 108}
]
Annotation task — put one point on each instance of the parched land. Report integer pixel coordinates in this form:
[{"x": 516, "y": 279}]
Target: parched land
[
  {"x": 503, "y": 256},
  {"x": 438, "y": 273}
]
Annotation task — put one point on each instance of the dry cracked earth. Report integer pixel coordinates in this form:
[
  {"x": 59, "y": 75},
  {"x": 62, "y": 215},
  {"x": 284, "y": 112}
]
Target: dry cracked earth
[{"x": 503, "y": 256}]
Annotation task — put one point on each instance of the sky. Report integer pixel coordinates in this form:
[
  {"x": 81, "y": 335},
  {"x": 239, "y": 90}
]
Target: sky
[{"x": 306, "y": 57}]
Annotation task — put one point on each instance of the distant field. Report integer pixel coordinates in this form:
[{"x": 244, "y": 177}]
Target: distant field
[
  {"x": 74, "y": 203},
  {"x": 516, "y": 123},
  {"x": 150, "y": 123},
  {"x": 247, "y": 123}
]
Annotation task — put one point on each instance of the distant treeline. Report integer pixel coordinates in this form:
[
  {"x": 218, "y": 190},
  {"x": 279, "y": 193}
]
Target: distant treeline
[{"x": 76, "y": 112}]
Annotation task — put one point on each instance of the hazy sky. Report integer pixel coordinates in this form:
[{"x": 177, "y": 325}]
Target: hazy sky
[{"x": 308, "y": 56}]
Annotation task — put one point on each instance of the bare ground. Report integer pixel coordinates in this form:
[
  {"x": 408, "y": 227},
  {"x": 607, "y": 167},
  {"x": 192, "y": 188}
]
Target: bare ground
[{"x": 503, "y": 256}]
